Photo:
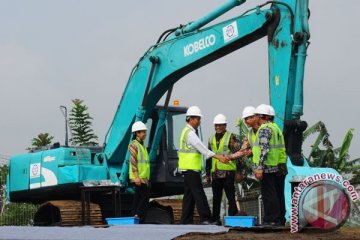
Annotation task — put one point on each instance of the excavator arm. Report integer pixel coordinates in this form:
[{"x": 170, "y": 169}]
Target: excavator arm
[{"x": 191, "y": 46}]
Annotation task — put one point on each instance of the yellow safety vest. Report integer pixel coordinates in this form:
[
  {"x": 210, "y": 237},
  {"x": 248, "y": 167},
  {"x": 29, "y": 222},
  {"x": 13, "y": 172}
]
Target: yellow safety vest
[
  {"x": 282, "y": 152},
  {"x": 251, "y": 136},
  {"x": 223, "y": 149},
  {"x": 276, "y": 153},
  {"x": 189, "y": 158},
  {"x": 143, "y": 163}
]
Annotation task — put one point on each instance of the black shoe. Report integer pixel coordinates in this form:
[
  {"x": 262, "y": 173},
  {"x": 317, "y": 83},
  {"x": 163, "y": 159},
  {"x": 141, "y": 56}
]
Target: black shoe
[
  {"x": 217, "y": 222},
  {"x": 279, "y": 224},
  {"x": 272, "y": 224},
  {"x": 205, "y": 223}
]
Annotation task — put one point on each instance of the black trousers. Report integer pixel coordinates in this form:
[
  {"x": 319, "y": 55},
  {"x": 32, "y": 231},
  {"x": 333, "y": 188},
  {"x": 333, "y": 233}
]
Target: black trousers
[
  {"x": 141, "y": 201},
  {"x": 272, "y": 191},
  {"x": 226, "y": 184},
  {"x": 280, "y": 187},
  {"x": 194, "y": 195}
]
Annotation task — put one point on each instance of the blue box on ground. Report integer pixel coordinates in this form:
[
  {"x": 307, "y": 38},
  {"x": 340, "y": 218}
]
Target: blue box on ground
[
  {"x": 122, "y": 220},
  {"x": 240, "y": 221}
]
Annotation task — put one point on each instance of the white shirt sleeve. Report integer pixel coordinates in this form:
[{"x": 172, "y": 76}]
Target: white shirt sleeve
[{"x": 195, "y": 142}]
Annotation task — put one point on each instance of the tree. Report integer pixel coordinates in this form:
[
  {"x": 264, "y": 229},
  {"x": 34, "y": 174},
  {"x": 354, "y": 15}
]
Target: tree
[
  {"x": 42, "y": 140},
  {"x": 80, "y": 125},
  {"x": 13, "y": 213},
  {"x": 328, "y": 156},
  {"x": 3, "y": 172}
]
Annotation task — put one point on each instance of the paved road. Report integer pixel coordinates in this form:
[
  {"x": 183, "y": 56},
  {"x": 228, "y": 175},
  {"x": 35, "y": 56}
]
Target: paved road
[{"x": 132, "y": 232}]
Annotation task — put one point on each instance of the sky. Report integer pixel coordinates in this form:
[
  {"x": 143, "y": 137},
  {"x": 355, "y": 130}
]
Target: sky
[{"x": 55, "y": 51}]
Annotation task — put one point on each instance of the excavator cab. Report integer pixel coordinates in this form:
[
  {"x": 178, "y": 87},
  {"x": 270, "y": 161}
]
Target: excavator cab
[{"x": 166, "y": 179}]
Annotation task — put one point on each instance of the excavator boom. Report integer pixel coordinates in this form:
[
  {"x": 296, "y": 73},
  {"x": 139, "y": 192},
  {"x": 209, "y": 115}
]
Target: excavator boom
[{"x": 192, "y": 46}]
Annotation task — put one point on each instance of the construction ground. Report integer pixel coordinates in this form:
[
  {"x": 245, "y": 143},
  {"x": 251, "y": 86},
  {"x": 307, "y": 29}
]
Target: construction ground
[{"x": 159, "y": 232}]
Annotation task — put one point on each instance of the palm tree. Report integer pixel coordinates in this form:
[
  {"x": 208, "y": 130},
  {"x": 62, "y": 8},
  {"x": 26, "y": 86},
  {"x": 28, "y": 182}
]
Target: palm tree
[{"x": 42, "y": 140}]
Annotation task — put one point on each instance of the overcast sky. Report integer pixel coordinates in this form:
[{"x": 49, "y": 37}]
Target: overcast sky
[{"x": 55, "y": 51}]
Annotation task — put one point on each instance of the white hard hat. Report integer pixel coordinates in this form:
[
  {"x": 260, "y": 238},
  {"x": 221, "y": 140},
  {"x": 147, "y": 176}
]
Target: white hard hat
[
  {"x": 220, "y": 119},
  {"x": 248, "y": 112},
  {"x": 271, "y": 110},
  {"x": 138, "y": 126},
  {"x": 262, "y": 109},
  {"x": 194, "y": 111}
]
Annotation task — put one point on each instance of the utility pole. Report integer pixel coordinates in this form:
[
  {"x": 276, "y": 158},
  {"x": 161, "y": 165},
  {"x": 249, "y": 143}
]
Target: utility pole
[{"x": 63, "y": 110}]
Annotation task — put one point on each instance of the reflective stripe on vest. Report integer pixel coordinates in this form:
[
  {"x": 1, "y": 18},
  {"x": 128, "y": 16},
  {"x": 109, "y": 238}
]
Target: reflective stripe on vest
[
  {"x": 143, "y": 163},
  {"x": 251, "y": 136},
  {"x": 282, "y": 152},
  {"x": 189, "y": 158},
  {"x": 223, "y": 149},
  {"x": 276, "y": 152}
]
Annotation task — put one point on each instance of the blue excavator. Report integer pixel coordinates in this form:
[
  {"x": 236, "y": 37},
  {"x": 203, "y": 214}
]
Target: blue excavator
[{"x": 60, "y": 172}]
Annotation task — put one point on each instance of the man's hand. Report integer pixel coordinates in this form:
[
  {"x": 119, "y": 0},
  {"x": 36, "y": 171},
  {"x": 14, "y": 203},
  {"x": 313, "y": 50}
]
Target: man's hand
[
  {"x": 239, "y": 177},
  {"x": 221, "y": 158},
  {"x": 259, "y": 174},
  {"x": 208, "y": 179},
  {"x": 225, "y": 160},
  {"x": 282, "y": 169},
  {"x": 249, "y": 153},
  {"x": 137, "y": 181}
]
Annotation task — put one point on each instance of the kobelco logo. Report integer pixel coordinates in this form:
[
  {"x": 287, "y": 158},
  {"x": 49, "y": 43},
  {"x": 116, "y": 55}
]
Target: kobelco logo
[{"x": 199, "y": 45}]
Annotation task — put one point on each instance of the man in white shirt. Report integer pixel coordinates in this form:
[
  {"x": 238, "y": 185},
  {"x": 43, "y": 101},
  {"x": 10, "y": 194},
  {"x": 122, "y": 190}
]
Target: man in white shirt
[{"x": 190, "y": 163}]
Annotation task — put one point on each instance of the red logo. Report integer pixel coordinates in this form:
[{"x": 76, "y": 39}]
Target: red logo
[{"x": 324, "y": 206}]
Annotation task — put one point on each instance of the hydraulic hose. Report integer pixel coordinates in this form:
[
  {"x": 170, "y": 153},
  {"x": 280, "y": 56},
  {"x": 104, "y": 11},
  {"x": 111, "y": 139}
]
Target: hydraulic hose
[{"x": 167, "y": 33}]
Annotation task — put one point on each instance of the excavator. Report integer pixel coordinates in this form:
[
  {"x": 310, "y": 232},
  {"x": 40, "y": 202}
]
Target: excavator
[{"x": 60, "y": 172}]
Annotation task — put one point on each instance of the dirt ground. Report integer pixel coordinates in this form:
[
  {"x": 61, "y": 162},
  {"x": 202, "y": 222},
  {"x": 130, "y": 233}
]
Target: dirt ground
[{"x": 344, "y": 233}]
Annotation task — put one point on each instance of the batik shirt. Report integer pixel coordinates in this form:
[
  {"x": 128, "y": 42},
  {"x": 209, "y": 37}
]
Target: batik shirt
[
  {"x": 133, "y": 160},
  {"x": 264, "y": 141}
]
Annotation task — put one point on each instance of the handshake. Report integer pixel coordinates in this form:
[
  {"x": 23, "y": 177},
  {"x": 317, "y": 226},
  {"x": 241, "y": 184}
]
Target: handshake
[{"x": 222, "y": 158}]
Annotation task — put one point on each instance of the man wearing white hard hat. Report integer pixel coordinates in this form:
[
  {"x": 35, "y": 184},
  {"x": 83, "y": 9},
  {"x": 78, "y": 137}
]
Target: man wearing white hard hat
[
  {"x": 139, "y": 170},
  {"x": 272, "y": 113},
  {"x": 190, "y": 163},
  {"x": 282, "y": 170},
  {"x": 248, "y": 116},
  {"x": 222, "y": 174},
  {"x": 268, "y": 152}
]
